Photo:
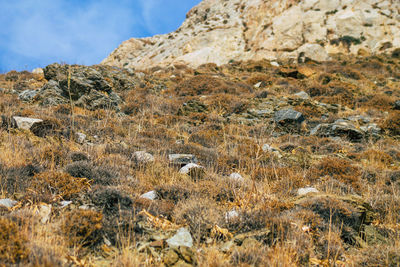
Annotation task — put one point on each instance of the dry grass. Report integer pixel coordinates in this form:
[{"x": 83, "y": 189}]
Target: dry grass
[{"x": 206, "y": 112}]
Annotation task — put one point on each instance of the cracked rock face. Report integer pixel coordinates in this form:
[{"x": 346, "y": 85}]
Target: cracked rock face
[{"x": 218, "y": 31}]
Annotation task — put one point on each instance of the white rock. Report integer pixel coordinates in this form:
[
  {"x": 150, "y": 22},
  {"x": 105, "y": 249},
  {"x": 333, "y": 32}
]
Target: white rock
[
  {"x": 186, "y": 169},
  {"x": 257, "y": 85},
  {"x": 306, "y": 190},
  {"x": 142, "y": 157},
  {"x": 231, "y": 215},
  {"x": 273, "y": 30},
  {"x": 302, "y": 95},
  {"x": 152, "y": 195},
  {"x": 314, "y": 52},
  {"x": 65, "y": 203},
  {"x": 270, "y": 149},
  {"x": 80, "y": 137},
  {"x": 182, "y": 159},
  {"x": 181, "y": 238},
  {"x": 236, "y": 177},
  {"x": 24, "y": 122},
  {"x": 8, "y": 203},
  {"x": 274, "y": 63},
  {"x": 38, "y": 71}
]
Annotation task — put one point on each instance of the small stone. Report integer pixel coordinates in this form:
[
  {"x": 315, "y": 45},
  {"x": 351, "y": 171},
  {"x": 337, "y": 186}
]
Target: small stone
[
  {"x": 106, "y": 241},
  {"x": 152, "y": 195},
  {"x": 306, "y": 190},
  {"x": 24, "y": 122},
  {"x": 289, "y": 115},
  {"x": 80, "y": 137},
  {"x": 65, "y": 203},
  {"x": 274, "y": 63},
  {"x": 302, "y": 95},
  {"x": 236, "y": 177},
  {"x": 397, "y": 105},
  {"x": 258, "y": 85},
  {"x": 196, "y": 172},
  {"x": 182, "y": 159},
  {"x": 181, "y": 238},
  {"x": 186, "y": 169},
  {"x": 231, "y": 215},
  {"x": 268, "y": 148},
  {"x": 27, "y": 95},
  {"x": 142, "y": 157},
  {"x": 8, "y": 203}
]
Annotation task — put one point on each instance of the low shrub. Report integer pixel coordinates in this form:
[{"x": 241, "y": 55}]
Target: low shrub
[
  {"x": 51, "y": 186},
  {"x": 82, "y": 227},
  {"x": 13, "y": 243}
]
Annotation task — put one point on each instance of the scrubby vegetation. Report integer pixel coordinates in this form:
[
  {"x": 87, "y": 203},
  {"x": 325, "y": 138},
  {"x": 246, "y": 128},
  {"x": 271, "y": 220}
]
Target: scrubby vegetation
[{"x": 79, "y": 200}]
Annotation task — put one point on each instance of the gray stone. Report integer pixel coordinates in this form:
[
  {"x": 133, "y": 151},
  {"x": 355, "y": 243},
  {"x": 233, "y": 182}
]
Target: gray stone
[
  {"x": 340, "y": 128},
  {"x": 89, "y": 87},
  {"x": 268, "y": 148},
  {"x": 187, "y": 168},
  {"x": 182, "y": 159},
  {"x": 261, "y": 112},
  {"x": 288, "y": 116},
  {"x": 371, "y": 129},
  {"x": 196, "y": 172},
  {"x": 27, "y": 95},
  {"x": 24, "y": 122},
  {"x": 181, "y": 238},
  {"x": 306, "y": 190},
  {"x": 397, "y": 105},
  {"x": 142, "y": 157},
  {"x": 302, "y": 95},
  {"x": 359, "y": 119},
  {"x": 152, "y": 195},
  {"x": 8, "y": 203}
]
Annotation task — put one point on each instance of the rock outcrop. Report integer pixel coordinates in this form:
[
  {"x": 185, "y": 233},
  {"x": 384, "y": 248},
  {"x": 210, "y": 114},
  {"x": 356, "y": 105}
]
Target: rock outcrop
[{"x": 218, "y": 31}]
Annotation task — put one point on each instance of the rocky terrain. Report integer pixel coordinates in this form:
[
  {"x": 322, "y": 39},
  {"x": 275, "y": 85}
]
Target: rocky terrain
[
  {"x": 260, "y": 133},
  {"x": 244, "y": 164},
  {"x": 220, "y": 31}
]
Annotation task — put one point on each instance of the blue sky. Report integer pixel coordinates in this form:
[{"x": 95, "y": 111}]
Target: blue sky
[{"x": 35, "y": 33}]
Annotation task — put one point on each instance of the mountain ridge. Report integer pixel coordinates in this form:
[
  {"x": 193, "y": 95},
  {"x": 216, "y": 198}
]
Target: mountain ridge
[{"x": 218, "y": 31}]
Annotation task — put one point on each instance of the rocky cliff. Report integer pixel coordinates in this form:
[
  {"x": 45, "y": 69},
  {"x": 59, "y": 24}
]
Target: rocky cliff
[{"x": 219, "y": 31}]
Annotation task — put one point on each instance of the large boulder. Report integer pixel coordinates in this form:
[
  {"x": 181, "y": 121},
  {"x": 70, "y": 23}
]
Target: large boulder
[
  {"x": 89, "y": 87},
  {"x": 346, "y": 129},
  {"x": 288, "y": 116},
  {"x": 24, "y": 122}
]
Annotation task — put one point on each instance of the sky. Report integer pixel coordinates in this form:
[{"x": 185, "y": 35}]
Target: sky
[{"x": 35, "y": 33}]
